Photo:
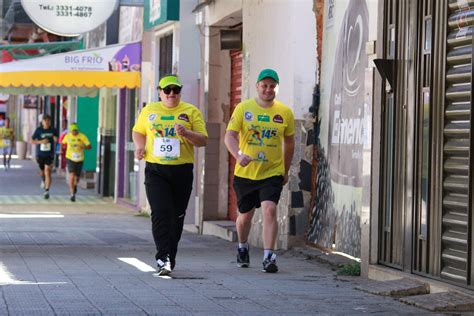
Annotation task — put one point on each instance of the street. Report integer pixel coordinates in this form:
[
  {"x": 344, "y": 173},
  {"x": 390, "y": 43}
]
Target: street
[{"x": 97, "y": 258}]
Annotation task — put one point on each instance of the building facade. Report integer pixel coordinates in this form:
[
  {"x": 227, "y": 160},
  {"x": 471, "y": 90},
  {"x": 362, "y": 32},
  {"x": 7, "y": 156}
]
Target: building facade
[
  {"x": 170, "y": 46},
  {"x": 421, "y": 215},
  {"x": 234, "y": 53}
]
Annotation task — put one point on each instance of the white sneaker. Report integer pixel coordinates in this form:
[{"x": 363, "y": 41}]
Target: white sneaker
[
  {"x": 42, "y": 184},
  {"x": 164, "y": 266}
]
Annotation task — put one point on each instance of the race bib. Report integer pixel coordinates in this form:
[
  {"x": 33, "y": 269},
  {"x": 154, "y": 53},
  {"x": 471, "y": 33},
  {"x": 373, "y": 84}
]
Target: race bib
[
  {"x": 76, "y": 156},
  {"x": 166, "y": 147},
  {"x": 6, "y": 142},
  {"x": 45, "y": 147}
]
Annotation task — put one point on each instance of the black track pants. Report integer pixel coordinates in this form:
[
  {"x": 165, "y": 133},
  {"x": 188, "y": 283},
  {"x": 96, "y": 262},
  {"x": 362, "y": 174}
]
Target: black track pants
[{"x": 168, "y": 189}]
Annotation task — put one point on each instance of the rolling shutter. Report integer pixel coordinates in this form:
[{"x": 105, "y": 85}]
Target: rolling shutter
[
  {"x": 456, "y": 202},
  {"x": 235, "y": 98}
]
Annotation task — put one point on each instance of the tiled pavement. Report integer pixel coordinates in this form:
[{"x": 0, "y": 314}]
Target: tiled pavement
[
  {"x": 102, "y": 264},
  {"x": 56, "y": 200},
  {"x": 63, "y": 259}
]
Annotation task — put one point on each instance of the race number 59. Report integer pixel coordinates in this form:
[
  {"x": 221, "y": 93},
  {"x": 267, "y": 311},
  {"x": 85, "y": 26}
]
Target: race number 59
[{"x": 166, "y": 147}]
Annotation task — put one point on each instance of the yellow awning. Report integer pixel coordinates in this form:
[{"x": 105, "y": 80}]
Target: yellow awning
[
  {"x": 77, "y": 79},
  {"x": 79, "y": 73}
]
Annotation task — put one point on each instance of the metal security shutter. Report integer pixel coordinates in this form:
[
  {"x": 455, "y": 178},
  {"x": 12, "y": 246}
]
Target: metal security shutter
[
  {"x": 166, "y": 55},
  {"x": 235, "y": 98},
  {"x": 456, "y": 185}
]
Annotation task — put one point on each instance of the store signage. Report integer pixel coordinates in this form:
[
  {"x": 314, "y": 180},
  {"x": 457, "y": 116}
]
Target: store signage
[
  {"x": 69, "y": 17},
  {"x": 121, "y": 58},
  {"x": 160, "y": 11}
]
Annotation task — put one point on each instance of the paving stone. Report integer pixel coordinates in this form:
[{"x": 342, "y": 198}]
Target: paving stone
[
  {"x": 442, "y": 302},
  {"x": 397, "y": 288},
  {"x": 71, "y": 266}
]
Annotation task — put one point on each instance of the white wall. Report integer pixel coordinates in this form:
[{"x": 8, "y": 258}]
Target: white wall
[
  {"x": 131, "y": 24},
  {"x": 220, "y": 9},
  {"x": 281, "y": 34},
  {"x": 188, "y": 54}
]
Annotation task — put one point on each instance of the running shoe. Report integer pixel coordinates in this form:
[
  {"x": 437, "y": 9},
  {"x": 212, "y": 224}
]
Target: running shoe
[
  {"x": 164, "y": 266},
  {"x": 73, "y": 198},
  {"x": 243, "y": 258},
  {"x": 46, "y": 194},
  {"x": 269, "y": 264}
]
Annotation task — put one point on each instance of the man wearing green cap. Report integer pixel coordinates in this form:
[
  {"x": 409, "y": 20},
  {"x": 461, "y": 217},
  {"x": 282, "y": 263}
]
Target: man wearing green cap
[
  {"x": 260, "y": 136},
  {"x": 165, "y": 135},
  {"x": 76, "y": 143}
]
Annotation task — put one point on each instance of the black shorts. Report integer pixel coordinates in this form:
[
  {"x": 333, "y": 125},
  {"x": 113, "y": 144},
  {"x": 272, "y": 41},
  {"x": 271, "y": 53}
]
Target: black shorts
[
  {"x": 44, "y": 161},
  {"x": 250, "y": 193},
  {"x": 74, "y": 167}
]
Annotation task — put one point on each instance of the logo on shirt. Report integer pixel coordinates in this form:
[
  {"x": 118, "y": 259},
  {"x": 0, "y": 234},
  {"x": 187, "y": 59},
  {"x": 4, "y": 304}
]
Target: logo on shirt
[
  {"x": 263, "y": 118},
  {"x": 256, "y": 138},
  {"x": 278, "y": 119},
  {"x": 261, "y": 156},
  {"x": 151, "y": 117},
  {"x": 248, "y": 116},
  {"x": 183, "y": 117}
]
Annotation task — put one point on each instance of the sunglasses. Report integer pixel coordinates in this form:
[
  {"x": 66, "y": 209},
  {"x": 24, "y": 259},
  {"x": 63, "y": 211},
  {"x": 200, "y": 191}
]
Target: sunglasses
[{"x": 175, "y": 89}]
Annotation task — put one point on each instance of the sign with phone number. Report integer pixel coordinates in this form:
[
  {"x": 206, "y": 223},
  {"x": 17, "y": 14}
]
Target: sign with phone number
[
  {"x": 69, "y": 17},
  {"x": 64, "y": 10}
]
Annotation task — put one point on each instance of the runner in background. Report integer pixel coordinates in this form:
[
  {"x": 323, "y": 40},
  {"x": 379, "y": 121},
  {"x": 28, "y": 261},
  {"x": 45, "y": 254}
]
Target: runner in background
[
  {"x": 7, "y": 137},
  {"x": 76, "y": 143},
  {"x": 44, "y": 138}
]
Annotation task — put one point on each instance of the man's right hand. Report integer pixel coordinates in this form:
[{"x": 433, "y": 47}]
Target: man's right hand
[
  {"x": 244, "y": 160},
  {"x": 140, "y": 153},
  {"x": 45, "y": 141}
]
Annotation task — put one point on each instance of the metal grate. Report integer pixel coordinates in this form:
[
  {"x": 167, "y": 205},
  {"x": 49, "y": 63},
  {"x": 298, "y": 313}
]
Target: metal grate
[{"x": 455, "y": 222}]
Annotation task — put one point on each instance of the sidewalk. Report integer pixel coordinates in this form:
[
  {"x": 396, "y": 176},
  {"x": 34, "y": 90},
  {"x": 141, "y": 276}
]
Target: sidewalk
[
  {"x": 96, "y": 258},
  {"x": 23, "y": 180},
  {"x": 99, "y": 261}
]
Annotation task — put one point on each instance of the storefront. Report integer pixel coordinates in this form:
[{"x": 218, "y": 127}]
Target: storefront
[
  {"x": 80, "y": 75},
  {"x": 422, "y": 201}
]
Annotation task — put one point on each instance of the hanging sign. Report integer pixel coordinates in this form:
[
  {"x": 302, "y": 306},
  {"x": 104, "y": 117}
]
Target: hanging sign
[{"x": 69, "y": 17}]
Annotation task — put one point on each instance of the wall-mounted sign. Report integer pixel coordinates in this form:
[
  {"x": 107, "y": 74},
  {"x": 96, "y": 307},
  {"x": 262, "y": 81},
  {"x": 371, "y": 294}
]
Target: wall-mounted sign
[
  {"x": 69, "y": 17},
  {"x": 121, "y": 57},
  {"x": 160, "y": 11}
]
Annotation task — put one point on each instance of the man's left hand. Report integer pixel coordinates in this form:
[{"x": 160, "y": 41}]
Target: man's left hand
[{"x": 180, "y": 130}]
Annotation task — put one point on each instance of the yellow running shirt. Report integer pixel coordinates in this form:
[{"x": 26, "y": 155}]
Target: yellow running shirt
[
  {"x": 261, "y": 135},
  {"x": 6, "y": 136},
  {"x": 163, "y": 145},
  {"x": 75, "y": 146}
]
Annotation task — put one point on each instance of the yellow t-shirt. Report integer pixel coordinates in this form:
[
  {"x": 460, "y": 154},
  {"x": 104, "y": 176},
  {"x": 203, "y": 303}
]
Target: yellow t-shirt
[
  {"x": 6, "y": 137},
  {"x": 261, "y": 135},
  {"x": 163, "y": 145},
  {"x": 75, "y": 146}
]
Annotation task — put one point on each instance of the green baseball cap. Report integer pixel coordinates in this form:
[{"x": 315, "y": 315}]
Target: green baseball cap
[
  {"x": 268, "y": 73},
  {"x": 170, "y": 80},
  {"x": 73, "y": 127}
]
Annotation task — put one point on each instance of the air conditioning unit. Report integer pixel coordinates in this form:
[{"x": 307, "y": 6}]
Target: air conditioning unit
[{"x": 231, "y": 39}]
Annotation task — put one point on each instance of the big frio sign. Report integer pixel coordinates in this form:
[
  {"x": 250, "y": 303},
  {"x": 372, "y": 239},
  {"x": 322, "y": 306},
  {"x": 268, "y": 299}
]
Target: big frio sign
[{"x": 69, "y": 17}]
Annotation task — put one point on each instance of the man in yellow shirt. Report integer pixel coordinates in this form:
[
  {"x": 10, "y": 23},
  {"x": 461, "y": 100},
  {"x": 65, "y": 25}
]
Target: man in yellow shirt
[
  {"x": 76, "y": 144},
  {"x": 260, "y": 136},
  {"x": 6, "y": 143},
  {"x": 165, "y": 135}
]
